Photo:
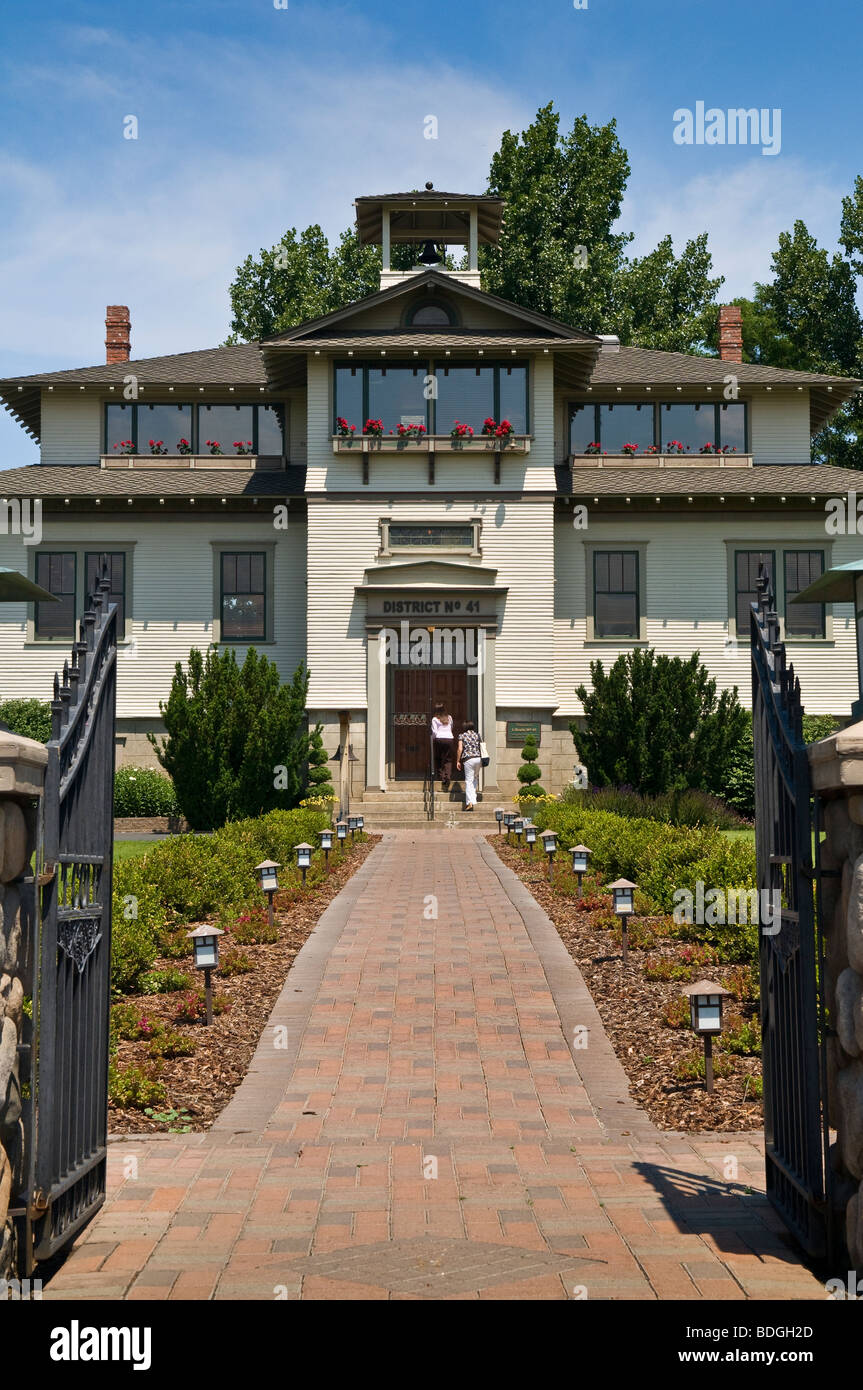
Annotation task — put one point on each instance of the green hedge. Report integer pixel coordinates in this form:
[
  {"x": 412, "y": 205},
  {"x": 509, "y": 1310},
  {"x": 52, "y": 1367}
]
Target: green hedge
[
  {"x": 143, "y": 791},
  {"x": 690, "y": 807},
  {"x": 659, "y": 858},
  {"x": 189, "y": 877},
  {"x": 29, "y": 718}
]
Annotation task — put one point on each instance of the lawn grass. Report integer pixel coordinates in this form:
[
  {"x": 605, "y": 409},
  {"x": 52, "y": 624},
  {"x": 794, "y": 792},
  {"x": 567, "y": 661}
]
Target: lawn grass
[
  {"x": 746, "y": 833},
  {"x": 129, "y": 849}
]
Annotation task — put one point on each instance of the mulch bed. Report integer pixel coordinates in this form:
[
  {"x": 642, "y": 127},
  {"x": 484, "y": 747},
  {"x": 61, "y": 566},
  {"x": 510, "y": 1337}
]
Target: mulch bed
[
  {"x": 631, "y": 1008},
  {"x": 201, "y": 1085}
]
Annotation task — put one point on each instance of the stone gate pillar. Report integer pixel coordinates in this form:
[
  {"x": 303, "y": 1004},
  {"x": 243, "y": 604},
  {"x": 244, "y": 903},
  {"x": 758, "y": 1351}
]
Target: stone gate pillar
[
  {"x": 22, "y": 772},
  {"x": 837, "y": 775}
]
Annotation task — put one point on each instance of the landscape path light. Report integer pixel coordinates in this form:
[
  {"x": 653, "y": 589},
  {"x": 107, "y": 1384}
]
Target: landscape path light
[
  {"x": 580, "y": 855},
  {"x": 624, "y": 906},
  {"x": 268, "y": 880},
  {"x": 508, "y": 818},
  {"x": 326, "y": 839},
  {"x": 341, "y": 830},
  {"x": 498, "y": 815},
  {"x": 352, "y": 826},
  {"x": 530, "y": 835},
  {"x": 518, "y": 829},
  {"x": 205, "y": 942},
  {"x": 705, "y": 1015},
  {"x": 360, "y": 823},
  {"x": 549, "y": 844},
  {"x": 304, "y": 859}
]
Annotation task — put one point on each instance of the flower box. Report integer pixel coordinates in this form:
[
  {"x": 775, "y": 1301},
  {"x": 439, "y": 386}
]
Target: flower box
[
  {"x": 594, "y": 461},
  {"x": 436, "y": 443},
  {"x": 173, "y": 462}
]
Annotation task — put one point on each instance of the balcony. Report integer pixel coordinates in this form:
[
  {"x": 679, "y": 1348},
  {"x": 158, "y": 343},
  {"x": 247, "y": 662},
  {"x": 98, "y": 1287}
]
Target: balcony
[
  {"x": 364, "y": 446},
  {"x": 578, "y": 462},
  {"x": 435, "y": 443}
]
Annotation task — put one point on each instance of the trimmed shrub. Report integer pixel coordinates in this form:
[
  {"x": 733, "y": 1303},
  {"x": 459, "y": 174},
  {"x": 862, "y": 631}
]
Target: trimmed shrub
[
  {"x": 237, "y": 739},
  {"x": 654, "y": 722},
  {"x": 143, "y": 791},
  {"x": 689, "y": 807},
  {"x": 529, "y": 774},
  {"x": 133, "y": 1089},
  {"x": 29, "y": 718},
  {"x": 662, "y": 859},
  {"x": 320, "y": 781}
]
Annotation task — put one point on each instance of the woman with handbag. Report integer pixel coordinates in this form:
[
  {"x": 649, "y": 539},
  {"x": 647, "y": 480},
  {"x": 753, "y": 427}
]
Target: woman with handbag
[{"x": 469, "y": 755}]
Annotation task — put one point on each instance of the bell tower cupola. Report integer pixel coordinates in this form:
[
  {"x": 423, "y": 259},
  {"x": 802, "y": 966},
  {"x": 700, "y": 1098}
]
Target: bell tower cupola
[{"x": 431, "y": 221}]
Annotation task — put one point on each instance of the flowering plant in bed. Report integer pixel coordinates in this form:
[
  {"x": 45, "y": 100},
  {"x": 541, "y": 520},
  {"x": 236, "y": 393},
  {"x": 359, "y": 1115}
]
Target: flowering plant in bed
[
  {"x": 460, "y": 431},
  {"x": 344, "y": 429},
  {"x": 374, "y": 427},
  {"x": 410, "y": 431},
  {"x": 243, "y": 448}
]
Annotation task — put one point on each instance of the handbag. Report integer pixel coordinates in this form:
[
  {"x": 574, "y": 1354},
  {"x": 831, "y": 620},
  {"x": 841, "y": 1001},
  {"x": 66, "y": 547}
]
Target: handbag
[{"x": 483, "y": 753}]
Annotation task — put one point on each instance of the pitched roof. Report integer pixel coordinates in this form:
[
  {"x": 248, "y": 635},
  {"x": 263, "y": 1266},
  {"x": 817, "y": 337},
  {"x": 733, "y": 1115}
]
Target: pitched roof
[
  {"x": 774, "y": 480},
  {"x": 66, "y": 480}
]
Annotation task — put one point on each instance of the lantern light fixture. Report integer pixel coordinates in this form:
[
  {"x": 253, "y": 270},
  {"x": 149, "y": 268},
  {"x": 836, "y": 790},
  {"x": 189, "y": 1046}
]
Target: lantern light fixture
[
  {"x": 530, "y": 835},
  {"x": 580, "y": 855},
  {"x": 623, "y": 892},
  {"x": 326, "y": 839},
  {"x": 498, "y": 815},
  {"x": 341, "y": 829},
  {"x": 304, "y": 859},
  {"x": 705, "y": 1016},
  {"x": 205, "y": 943}
]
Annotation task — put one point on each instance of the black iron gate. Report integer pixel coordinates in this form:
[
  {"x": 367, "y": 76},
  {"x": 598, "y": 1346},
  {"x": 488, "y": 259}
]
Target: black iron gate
[
  {"x": 792, "y": 1006},
  {"x": 71, "y": 990}
]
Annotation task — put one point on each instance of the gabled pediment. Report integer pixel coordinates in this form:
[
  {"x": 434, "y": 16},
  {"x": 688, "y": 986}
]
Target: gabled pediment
[
  {"x": 428, "y": 574},
  {"x": 356, "y": 317}
]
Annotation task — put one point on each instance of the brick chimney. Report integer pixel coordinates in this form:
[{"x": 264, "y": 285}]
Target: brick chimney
[
  {"x": 117, "y": 333},
  {"x": 731, "y": 333}
]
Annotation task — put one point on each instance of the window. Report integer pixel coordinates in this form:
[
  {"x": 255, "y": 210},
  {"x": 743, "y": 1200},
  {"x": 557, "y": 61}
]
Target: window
[
  {"x": 56, "y": 572},
  {"x": 395, "y": 395},
  {"x": 409, "y": 536},
  {"x": 615, "y": 593},
  {"x": 469, "y": 392},
  {"x": 692, "y": 425},
  {"x": 746, "y": 568},
  {"x": 433, "y": 314},
  {"x": 695, "y": 425},
  {"x": 116, "y": 577},
  {"x": 72, "y": 575},
  {"x": 243, "y": 605},
  {"x": 176, "y": 429},
  {"x": 464, "y": 393},
  {"x": 625, "y": 424},
  {"x": 802, "y": 568}
]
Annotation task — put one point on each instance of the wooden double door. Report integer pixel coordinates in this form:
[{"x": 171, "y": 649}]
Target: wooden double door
[{"x": 415, "y": 692}]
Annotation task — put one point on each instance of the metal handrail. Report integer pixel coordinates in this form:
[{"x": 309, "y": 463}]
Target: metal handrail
[{"x": 431, "y": 777}]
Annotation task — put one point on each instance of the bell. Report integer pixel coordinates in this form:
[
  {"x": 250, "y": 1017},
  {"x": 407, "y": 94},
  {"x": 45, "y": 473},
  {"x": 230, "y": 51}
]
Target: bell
[{"x": 429, "y": 255}]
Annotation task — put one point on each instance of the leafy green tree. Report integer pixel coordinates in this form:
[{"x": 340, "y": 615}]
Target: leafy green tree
[
  {"x": 661, "y": 301},
  {"x": 320, "y": 782},
  {"x": 560, "y": 252},
  {"x": 529, "y": 774},
  {"x": 655, "y": 723},
  {"x": 237, "y": 739}
]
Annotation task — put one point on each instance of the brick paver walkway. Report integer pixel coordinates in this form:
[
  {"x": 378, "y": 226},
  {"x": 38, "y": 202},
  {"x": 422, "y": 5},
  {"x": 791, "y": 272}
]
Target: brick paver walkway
[{"x": 416, "y": 1125}]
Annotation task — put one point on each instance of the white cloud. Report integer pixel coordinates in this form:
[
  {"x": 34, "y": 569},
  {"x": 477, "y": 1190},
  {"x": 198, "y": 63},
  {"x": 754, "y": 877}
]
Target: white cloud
[{"x": 743, "y": 209}]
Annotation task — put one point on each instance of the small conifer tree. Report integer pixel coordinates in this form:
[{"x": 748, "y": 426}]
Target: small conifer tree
[
  {"x": 320, "y": 784},
  {"x": 529, "y": 774}
]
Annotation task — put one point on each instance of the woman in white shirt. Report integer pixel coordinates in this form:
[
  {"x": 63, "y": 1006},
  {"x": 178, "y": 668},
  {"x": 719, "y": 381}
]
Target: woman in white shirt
[{"x": 443, "y": 735}]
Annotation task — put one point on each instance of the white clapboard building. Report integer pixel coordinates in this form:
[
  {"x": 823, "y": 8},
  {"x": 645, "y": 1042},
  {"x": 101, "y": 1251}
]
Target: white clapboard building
[{"x": 630, "y": 503}]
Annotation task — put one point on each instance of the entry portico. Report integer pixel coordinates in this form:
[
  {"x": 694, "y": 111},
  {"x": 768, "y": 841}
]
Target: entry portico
[{"x": 430, "y": 630}]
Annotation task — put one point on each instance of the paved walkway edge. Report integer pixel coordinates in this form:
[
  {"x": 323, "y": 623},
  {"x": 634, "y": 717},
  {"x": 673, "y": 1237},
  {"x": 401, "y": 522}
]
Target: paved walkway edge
[{"x": 259, "y": 1093}]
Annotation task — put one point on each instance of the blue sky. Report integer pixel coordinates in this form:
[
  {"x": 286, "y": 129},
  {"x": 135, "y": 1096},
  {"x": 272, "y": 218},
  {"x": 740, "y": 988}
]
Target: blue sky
[{"x": 252, "y": 119}]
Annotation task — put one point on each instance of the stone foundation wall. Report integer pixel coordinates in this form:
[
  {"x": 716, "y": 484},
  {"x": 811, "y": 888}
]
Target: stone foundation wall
[
  {"x": 22, "y": 766},
  {"x": 837, "y": 774}
]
